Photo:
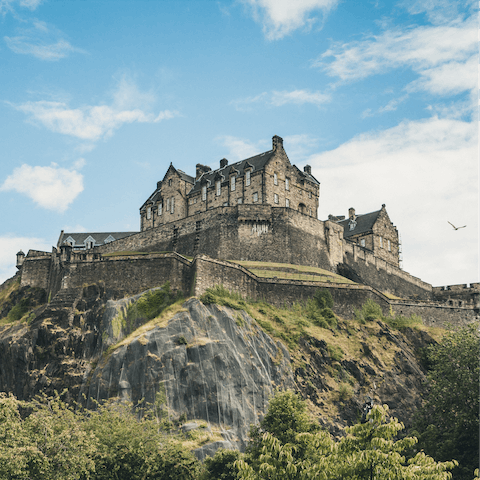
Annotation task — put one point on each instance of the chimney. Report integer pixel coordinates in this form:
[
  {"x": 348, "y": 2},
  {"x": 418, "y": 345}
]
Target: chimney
[
  {"x": 277, "y": 142},
  {"x": 351, "y": 213},
  {"x": 307, "y": 169},
  {"x": 159, "y": 184},
  {"x": 201, "y": 169},
  {"x": 223, "y": 163}
]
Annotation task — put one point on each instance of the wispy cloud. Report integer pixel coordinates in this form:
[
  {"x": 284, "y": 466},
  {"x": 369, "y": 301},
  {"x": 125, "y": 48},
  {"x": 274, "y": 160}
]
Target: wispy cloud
[
  {"x": 281, "y": 17},
  {"x": 416, "y": 168},
  {"x": 434, "y": 52},
  {"x": 9, "y": 5},
  {"x": 42, "y": 41},
  {"x": 239, "y": 148},
  {"x": 391, "y": 106},
  {"x": 281, "y": 98},
  {"x": 52, "y": 187},
  {"x": 93, "y": 122}
]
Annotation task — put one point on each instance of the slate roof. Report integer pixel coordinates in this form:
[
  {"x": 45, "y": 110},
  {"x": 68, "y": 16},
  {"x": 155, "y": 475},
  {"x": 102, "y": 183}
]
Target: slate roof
[
  {"x": 257, "y": 162},
  {"x": 98, "y": 237},
  {"x": 364, "y": 224}
]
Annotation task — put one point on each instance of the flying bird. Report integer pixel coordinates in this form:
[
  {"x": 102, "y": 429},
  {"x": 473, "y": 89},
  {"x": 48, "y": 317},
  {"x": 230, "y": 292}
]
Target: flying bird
[{"x": 454, "y": 227}]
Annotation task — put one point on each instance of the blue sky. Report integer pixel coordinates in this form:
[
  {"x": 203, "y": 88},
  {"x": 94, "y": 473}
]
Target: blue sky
[{"x": 380, "y": 97}]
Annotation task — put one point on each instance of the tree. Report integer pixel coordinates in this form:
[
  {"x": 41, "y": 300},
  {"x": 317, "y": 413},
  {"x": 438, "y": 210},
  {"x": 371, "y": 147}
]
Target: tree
[
  {"x": 448, "y": 423},
  {"x": 221, "y": 466},
  {"x": 369, "y": 451}
]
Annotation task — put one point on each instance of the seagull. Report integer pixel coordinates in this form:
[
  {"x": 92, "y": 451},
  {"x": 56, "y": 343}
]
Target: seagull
[{"x": 454, "y": 227}]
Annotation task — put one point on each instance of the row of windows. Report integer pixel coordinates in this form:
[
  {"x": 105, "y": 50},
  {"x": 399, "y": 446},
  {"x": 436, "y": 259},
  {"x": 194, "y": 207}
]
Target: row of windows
[
  {"x": 170, "y": 207},
  {"x": 382, "y": 243}
]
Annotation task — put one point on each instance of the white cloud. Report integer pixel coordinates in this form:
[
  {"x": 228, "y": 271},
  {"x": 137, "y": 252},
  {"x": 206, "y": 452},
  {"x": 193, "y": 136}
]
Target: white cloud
[
  {"x": 282, "y": 17},
  {"x": 299, "y": 97},
  {"x": 281, "y": 98},
  {"x": 10, "y": 245},
  {"x": 8, "y": 5},
  {"x": 239, "y": 149},
  {"x": 439, "y": 11},
  {"x": 426, "y": 173},
  {"x": 435, "y": 52},
  {"x": 89, "y": 122},
  {"x": 42, "y": 41},
  {"x": 53, "y": 187}
]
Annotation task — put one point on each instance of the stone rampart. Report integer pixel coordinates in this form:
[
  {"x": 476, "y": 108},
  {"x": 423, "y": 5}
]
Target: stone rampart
[{"x": 360, "y": 265}]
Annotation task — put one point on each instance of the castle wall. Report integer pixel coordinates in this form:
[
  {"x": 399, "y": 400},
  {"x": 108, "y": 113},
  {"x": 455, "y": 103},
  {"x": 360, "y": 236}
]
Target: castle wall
[
  {"x": 362, "y": 266},
  {"x": 458, "y": 295},
  {"x": 243, "y": 232},
  {"x": 438, "y": 315},
  {"x": 36, "y": 269},
  {"x": 129, "y": 275}
]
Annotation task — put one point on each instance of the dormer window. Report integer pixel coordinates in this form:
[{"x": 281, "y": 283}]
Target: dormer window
[
  {"x": 247, "y": 178},
  {"x": 352, "y": 224},
  {"x": 149, "y": 213},
  {"x": 204, "y": 193},
  {"x": 232, "y": 183},
  {"x": 160, "y": 209}
]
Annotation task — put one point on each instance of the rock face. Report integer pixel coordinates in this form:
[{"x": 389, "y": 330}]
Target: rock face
[{"x": 209, "y": 363}]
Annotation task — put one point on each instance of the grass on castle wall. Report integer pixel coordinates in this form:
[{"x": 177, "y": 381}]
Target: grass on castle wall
[
  {"x": 21, "y": 311},
  {"x": 291, "y": 272}
]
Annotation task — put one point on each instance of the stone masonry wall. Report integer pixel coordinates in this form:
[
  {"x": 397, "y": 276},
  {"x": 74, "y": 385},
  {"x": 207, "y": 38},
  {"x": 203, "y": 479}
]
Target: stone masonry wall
[{"x": 363, "y": 267}]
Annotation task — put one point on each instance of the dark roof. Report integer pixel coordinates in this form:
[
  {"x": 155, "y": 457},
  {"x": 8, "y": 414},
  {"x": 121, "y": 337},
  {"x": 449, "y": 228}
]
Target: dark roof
[
  {"x": 257, "y": 162},
  {"x": 98, "y": 237},
  {"x": 308, "y": 176},
  {"x": 185, "y": 177},
  {"x": 364, "y": 224}
]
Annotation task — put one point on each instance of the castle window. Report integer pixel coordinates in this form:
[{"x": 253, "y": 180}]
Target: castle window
[
  {"x": 389, "y": 244},
  {"x": 275, "y": 198},
  {"x": 172, "y": 205},
  {"x": 287, "y": 184},
  {"x": 275, "y": 179},
  {"x": 239, "y": 200},
  {"x": 204, "y": 192},
  {"x": 287, "y": 203},
  {"x": 247, "y": 178},
  {"x": 362, "y": 242},
  {"x": 232, "y": 183},
  {"x": 381, "y": 242},
  {"x": 160, "y": 209},
  {"x": 168, "y": 204},
  {"x": 255, "y": 197},
  {"x": 310, "y": 211},
  {"x": 219, "y": 187},
  {"x": 460, "y": 303},
  {"x": 170, "y": 182},
  {"x": 149, "y": 213},
  {"x": 309, "y": 194}
]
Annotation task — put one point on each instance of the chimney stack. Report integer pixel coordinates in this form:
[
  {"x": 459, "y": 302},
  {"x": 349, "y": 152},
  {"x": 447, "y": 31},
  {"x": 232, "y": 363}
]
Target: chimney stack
[
  {"x": 307, "y": 169},
  {"x": 201, "y": 169},
  {"x": 223, "y": 162},
  {"x": 351, "y": 213},
  {"x": 277, "y": 142}
]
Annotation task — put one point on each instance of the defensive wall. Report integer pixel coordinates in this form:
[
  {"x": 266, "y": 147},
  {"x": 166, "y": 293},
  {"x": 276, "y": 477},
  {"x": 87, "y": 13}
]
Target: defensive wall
[
  {"x": 273, "y": 234},
  {"x": 131, "y": 274}
]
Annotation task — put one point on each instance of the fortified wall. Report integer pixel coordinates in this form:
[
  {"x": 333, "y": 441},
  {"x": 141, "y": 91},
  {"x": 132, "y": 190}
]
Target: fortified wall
[
  {"x": 130, "y": 274},
  {"x": 273, "y": 234}
]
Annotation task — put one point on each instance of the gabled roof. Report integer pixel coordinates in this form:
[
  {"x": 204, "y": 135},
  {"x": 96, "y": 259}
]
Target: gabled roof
[
  {"x": 308, "y": 176},
  {"x": 257, "y": 162},
  {"x": 180, "y": 173},
  {"x": 98, "y": 237},
  {"x": 364, "y": 224}
]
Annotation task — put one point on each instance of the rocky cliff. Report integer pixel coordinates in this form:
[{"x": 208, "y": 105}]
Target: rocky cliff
[{"x": 210, "y": 362}]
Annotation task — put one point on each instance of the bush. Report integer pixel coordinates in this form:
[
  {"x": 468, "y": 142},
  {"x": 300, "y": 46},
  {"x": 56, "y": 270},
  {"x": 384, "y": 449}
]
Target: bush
[
  {"x": 323, "y": 298},
  {"x": 370, "y": 311}
]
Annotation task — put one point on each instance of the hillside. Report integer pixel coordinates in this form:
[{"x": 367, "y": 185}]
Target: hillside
[{"x": 215, "y": 359}]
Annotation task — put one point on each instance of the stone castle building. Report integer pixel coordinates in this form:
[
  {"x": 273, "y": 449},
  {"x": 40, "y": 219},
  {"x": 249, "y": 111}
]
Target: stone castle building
[{"x": 261, "y": 209}]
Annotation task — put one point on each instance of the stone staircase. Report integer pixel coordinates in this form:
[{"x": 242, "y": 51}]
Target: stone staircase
[{"x": 62, "y": 306}]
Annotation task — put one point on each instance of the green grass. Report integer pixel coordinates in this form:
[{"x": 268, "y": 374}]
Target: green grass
[{"x": 286, "y": 271}]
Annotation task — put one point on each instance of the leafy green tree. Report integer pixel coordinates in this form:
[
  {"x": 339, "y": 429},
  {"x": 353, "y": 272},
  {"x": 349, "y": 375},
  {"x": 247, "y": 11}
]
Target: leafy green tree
[
  {"x": 221, "y": 466},
  {"x": 50, "y": 442},
  {"x": 448, "y": 424}
]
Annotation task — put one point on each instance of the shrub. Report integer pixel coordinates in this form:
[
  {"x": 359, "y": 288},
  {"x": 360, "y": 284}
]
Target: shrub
[
  {"x": 323, "y": 298},
  {"x": 370, "y": 311},
  {"x": 345, "y": 391}
]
